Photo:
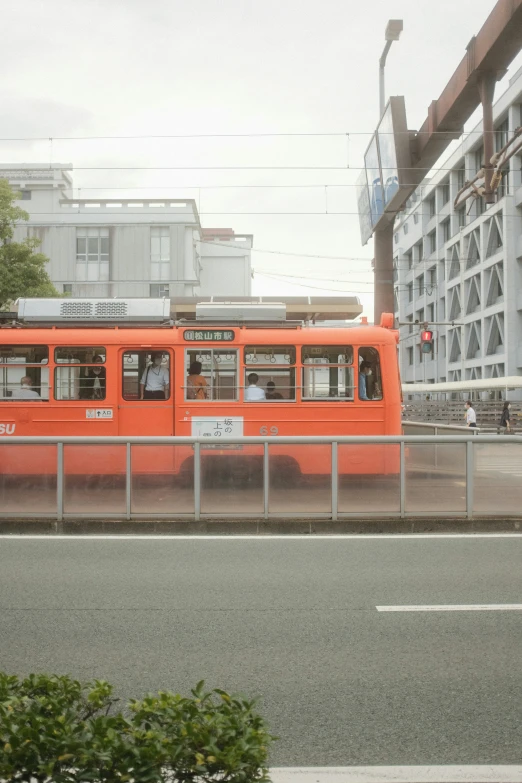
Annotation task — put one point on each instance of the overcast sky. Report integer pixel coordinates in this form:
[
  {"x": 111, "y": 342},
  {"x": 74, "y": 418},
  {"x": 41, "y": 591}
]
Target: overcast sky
[{"x": 166, "y": 67}]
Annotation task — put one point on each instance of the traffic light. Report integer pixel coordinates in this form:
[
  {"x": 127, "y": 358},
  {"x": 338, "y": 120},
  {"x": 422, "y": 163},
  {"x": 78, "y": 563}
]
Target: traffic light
[{"x": 426, "y": 341}]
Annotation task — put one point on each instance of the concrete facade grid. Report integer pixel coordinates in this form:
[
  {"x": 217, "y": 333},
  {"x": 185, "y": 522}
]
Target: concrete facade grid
[{"x": 466, "y": 269}]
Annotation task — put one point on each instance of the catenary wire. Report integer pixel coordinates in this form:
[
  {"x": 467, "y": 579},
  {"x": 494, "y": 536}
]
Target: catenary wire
[{"x": 303, "y": 134}]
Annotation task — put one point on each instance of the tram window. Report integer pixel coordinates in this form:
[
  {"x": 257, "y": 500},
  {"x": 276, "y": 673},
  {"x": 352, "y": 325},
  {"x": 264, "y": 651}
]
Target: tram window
[
  {"x": 22, "y": 376},
  {"x": 271, "y": 364},
  {"x": 328, "y": 372},
  {"x": 369, "y": 375},
  {"x": 268, "y": 355},
  {"x": 82, "y": 374},
  {"x": 211, "y": 374},
  {"x": 146, "y": 375}
]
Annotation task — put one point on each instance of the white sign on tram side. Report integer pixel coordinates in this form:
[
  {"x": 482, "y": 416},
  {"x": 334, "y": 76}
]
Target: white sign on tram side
[
  {"x": 98, "y": 413},
  {"x": 217, "y": 427}
]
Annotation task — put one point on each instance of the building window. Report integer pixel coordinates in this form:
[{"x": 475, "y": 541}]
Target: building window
[
  {"x": 26, "y": 195},
  {"x": 445, "y": 192},
  {"x": 479, "y": 159},
  {"x": 420, "y": 285},
  {"x": 442, "y": 307},
  {"x": 418, "y": 251},
  {"x": 432, "y": 209},
  {"x": 446, "y": 230},
  {"x": 420, "y": 316},
  {"x": 501, "y": 135},
  {"x": 160, "y": 253},
  {"x": 461, "y": 178},
  {"x": 431, "y": 242},
  {"x": 67, "y": 288},
  {"x": 461, "y": 215},
  {"x": 410, "y": 292},
  {"x": 409, "y": 259},
  {"x": 415, "y": 217},
  {"x": 396, "y": 239},
  {"x": 431, "y": 313},
  {"x": 433, "y": 276},
  {"x": 159, "y": 291},
  {"x": 405, "y": 228},
  {"x": 410, "y": 319},
  {"x": 410, "y": 356},
  {"x": 92, "y": 254}
]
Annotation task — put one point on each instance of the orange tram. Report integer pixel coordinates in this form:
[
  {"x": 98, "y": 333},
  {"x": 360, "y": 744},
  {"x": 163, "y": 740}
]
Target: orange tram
[{"x": 108, "y": 368}]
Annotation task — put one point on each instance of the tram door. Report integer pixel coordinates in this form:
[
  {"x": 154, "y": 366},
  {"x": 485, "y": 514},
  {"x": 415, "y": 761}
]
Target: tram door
[{"x": 146, "y": 393}]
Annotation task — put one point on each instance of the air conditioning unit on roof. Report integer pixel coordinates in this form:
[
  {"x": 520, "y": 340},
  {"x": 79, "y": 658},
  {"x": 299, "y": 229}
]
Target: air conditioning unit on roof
[{"x": 93, "y": 311}]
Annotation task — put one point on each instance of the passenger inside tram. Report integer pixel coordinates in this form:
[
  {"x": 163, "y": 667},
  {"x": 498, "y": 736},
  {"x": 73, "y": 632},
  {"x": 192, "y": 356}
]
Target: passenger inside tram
[{"x": 271, "y": 393}]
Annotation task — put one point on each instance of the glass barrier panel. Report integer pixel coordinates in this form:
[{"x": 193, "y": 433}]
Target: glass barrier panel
[
  {"x": 413, "y": 429},
  {"x": 300, "y": 479},
  {"x": 162, "y": 480},
  {"x": 94, "y": 479},
  {"x": 28, "y": 479},
  {"x": 369, "y": 479},
  {"x": 435, "y": 477},
  {"x": 497, "y": 486},
  {"x": 232, "y": 480}
]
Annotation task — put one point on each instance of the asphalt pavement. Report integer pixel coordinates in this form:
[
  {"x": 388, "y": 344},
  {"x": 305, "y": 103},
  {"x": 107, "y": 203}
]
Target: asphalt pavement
[{"x": 294, "y": 621}]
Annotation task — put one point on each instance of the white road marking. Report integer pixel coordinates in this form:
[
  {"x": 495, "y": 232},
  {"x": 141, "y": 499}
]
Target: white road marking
[
  {"x": 434, "y": 774},
  {"x": 453, "y": 608},
  {"x": 257, "y": 537}
]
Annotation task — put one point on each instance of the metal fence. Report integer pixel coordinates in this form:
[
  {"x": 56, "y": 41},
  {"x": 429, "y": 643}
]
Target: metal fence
[{"x": 261, "y": 477}]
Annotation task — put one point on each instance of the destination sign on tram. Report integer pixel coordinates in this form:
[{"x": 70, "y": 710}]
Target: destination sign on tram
[{"x": 208, "y": 335}]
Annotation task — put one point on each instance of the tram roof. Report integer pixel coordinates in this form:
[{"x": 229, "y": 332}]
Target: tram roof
[{"x": 267, "y": 309}]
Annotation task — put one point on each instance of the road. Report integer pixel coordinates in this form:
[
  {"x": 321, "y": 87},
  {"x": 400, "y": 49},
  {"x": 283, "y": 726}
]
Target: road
[{"x": 295, "y": 621}]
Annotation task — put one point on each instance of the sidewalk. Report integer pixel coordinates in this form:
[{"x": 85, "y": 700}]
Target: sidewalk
[{"x": 483, "y": 773}]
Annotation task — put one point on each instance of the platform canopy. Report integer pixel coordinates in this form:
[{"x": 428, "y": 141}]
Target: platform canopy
[{"x": 298, "y": 308}]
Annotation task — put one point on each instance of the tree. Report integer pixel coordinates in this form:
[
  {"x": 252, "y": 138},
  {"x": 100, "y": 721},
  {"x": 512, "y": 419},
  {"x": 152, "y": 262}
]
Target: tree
[{"x": 22, "y": 269}]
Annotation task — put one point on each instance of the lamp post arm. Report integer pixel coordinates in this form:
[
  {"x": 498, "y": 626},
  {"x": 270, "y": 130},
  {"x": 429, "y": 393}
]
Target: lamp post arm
[{"x": 382, "y": 63}]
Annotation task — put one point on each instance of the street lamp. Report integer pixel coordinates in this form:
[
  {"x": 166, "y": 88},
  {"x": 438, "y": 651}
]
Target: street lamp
[{"x": 391, "y": 34}]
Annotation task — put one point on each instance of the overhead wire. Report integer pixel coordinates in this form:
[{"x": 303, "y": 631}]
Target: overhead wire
[{"x": 262, "y": 135}]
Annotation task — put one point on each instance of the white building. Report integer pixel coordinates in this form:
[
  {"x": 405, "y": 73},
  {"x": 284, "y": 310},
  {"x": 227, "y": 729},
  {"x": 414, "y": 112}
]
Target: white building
[
  {"x": 463, "y": 267},
  {"x": 127, "y": 247}
]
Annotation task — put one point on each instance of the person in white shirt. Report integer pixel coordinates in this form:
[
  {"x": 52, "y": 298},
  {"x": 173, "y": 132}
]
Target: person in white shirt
[
  {"x": 26, "y": 392},
  {"x": 471, "y": 416},
  {"x": 154, "y": 384},
  {"x": 253, "y": 393}
]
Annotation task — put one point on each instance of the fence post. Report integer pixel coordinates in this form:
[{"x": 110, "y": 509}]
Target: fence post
[
  {"x": 469, "y": 478},
  {"x": 197, "y": 481},
  {"x": 266, "y": 479},
  {"x": 335, "y": 480},
  {"x": 436, "y": 432},
  {"x": 128, "y": 481},
  {"x": 402, "y": 479},
  {"x": 59, "y": 482}
]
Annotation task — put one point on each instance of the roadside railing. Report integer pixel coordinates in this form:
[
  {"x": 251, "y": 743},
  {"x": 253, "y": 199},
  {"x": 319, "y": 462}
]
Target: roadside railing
[{"x": 457, "y": 475}]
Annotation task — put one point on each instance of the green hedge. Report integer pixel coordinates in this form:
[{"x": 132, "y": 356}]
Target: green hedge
[{"x": 56, "y": 729}]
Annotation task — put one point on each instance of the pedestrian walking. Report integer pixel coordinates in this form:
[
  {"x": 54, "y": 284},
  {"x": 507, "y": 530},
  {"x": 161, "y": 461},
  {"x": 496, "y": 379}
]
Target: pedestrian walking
[
  {"x": 471, "y": 416},
  {"x": 505, "y": 426}
]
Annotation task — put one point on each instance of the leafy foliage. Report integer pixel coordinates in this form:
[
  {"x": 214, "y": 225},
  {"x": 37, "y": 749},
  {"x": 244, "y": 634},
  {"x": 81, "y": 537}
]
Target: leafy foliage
[
  {"x": 57, "y": 729},
  {"x": 22, "y": 270}
]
